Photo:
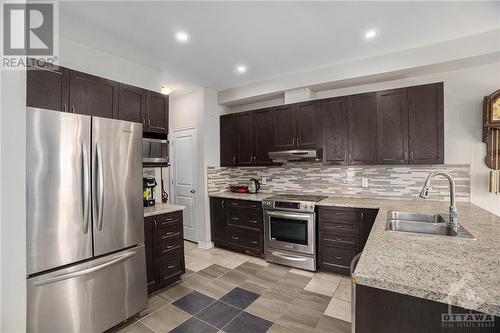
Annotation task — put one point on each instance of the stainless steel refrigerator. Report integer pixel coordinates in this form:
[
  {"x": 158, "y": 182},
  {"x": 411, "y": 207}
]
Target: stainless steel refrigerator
[{"x": 85, "y": 224}]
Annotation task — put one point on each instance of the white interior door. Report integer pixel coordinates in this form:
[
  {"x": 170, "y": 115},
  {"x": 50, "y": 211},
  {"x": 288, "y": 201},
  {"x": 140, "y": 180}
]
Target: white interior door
[{"x": 185, "y": 177}]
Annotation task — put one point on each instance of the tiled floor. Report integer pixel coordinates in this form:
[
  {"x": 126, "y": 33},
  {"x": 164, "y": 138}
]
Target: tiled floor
[{"x": 224, "y": 291}]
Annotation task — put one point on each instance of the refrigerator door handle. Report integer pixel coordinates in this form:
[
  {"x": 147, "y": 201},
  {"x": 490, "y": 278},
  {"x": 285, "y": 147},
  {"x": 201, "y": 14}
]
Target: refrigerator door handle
[
  {"x": 86, "y": 271},
  {"x": 99, "y": 187},
  {"x": 86, "y": 185}
]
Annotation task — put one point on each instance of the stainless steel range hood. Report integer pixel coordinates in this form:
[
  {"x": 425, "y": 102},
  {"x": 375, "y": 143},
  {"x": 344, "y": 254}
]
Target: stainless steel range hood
[{"x": 296, "y": 155}]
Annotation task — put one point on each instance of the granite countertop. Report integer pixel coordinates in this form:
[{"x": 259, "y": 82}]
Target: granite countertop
[
  {"x": 161, "y": 208},
  {"x": 242, "y": 196},
  {"x": 461, "y": 272}
]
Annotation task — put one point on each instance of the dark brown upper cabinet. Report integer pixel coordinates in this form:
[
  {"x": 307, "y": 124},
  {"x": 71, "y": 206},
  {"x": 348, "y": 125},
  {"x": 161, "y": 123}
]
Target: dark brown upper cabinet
[
  {"x": 335, "y": 130},
  {"x": 297, "y": 126},
  {"x": 228, "y": 140},
  {"x": 263, "y": 136},
  {"x": 156, "y": 115},
  {"x": 362, "y": 115},
  {"x": 426, "y": 124},
  {"x": 284, "y": 127},
  {"x": 308, "y": 124},
  {"x": 244, "y": 139},
  {"x": 93, "y": 95},
  {"x": 47, "y": 88},
  {"x": 131, "y": 103},
  {"x": 392, "y": 112}
]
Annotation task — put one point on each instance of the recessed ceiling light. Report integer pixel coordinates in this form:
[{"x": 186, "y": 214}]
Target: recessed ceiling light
[
  {"x": 241, "y": 69},
  {"x": 182, "y": 36},
  {"x": 370, "y": 34}
]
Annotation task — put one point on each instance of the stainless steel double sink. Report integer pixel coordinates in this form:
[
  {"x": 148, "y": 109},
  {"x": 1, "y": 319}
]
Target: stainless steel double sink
[{"x": 419, "y": 223}]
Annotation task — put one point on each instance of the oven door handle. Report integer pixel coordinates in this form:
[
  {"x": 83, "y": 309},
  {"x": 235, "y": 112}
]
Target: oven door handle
[
  {"x": 288, "y": 256},
  {"x": 295, "y": 216}
]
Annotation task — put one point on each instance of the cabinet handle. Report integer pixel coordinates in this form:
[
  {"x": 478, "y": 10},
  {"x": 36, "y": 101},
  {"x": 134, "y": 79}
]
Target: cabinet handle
[
  {"x": 298, "y": 141},
  {"x": 339, "y": 226},
  {"x": 234, "y": 160},
  {"x": 235, "y": 218},
  {"x": 338, "y": 257},
  {"x": 293, "y": 142},
  {"x": 350, "y": 158},
  {"x": 235, "y": 238},
  {"x": 171, "y": 266},
  {"x": 65, "y": 108},
  {"x": 222, "y": 204},
  {"x": 156, "y": 223},
  {"x": 169, "y": 219},
  {"x": 253, "y": 221},
  {"x": 73, "y": 108},
  {"x": 149, "y": 122},
  {"x": 412, "y": 156},
  {"x": 254, "y": 242}
]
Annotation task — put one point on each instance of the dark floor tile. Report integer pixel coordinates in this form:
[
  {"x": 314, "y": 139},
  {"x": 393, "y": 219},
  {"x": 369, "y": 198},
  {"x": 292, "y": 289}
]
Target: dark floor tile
[
  {"x": 247, "y": 323},
  {"x": 214, "y": 271},
  {"x": 239, "y": 298},
  {"x": 194, "y": 302},
  {"x": 218, "y": 314},
  {"x": 332, "y": 325},
  {"x": 194, "y": 325}
]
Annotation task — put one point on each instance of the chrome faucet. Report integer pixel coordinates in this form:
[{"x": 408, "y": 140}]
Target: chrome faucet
[{"x": 453, "y": 208}]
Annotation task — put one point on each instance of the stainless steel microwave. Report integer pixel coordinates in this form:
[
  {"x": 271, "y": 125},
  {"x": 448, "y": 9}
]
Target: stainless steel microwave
[{"x": 155, "y": 152}]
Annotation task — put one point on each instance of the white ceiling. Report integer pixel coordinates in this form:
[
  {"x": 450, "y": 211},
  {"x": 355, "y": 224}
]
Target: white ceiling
[{"x": 271, "y": 38}]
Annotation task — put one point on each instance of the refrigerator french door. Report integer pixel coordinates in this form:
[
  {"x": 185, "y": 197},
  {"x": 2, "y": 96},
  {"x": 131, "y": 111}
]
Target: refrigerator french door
[{"x": 86, "y": 261}]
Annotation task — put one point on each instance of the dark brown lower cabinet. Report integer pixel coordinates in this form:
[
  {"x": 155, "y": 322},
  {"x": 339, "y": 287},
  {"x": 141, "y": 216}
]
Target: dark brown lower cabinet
[
  {"x": 237, "y": 225},
  {"x": 342, "y": 233},
  {"x": 164, "y": 249},
  {"x": 382, "y": 311}
]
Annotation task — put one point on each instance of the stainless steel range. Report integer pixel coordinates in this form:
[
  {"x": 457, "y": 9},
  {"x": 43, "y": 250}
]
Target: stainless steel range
[{"x": 290, "y": 230}]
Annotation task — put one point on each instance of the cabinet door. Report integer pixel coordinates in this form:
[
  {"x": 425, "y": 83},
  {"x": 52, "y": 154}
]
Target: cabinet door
[
  {"x": 131, "y": 103},
  {"x": 150, "y": 224},
  {"x": 284, "y": 128},
  {"x": 362, "y": 111},
  {"x": 228, "y": 140},
  {"x": 308, "y": 125},
  {"x": 426, "y": 122},
  {"x": 47, "y": 88},
  {"x": 244, "y": 139},
  {"x": 392, "y": 112},
  {"x": 156, "y": 115},
  {"x": 335, "y": 131},
  {"x": 218, "y": 220},
  {"x": 367, "y": 219},
  {"x": 92, "y": 95},
  {"x": 263, "y": 136}
]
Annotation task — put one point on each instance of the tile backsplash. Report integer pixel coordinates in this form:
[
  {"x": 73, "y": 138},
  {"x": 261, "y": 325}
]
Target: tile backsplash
[{"x": 390, "y": 182}]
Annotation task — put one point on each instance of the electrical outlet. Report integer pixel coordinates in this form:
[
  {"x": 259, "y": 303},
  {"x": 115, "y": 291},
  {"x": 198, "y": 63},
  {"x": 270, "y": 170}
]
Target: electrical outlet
[
  {"x": 264, "y": 181},
  {"x": 364, "y": 182}
]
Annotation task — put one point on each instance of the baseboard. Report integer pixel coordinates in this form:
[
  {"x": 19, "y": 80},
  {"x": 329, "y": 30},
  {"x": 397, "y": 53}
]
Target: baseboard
[{"x": 205, "y": 245}]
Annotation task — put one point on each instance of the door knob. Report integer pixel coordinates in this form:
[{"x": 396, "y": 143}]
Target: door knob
[{"x": 193, "y": 191}]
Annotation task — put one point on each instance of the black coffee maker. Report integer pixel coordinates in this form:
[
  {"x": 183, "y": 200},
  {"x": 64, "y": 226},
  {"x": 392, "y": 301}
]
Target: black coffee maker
[{"x": 148, "y": 184}]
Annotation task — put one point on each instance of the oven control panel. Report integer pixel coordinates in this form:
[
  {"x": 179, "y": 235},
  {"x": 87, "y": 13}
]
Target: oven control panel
[{"x": 288, "y": 205}]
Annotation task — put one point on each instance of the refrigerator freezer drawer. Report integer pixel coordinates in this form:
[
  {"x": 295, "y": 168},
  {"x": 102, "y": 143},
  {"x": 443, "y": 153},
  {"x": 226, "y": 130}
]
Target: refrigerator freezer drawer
[{"x": 89, "y": 297}]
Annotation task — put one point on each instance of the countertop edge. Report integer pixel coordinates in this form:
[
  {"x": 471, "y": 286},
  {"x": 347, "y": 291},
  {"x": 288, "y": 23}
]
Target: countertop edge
[{"x": 162, "y": 209}]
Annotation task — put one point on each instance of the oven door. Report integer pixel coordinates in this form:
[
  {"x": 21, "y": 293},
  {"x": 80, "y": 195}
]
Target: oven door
[{"x": 290, "y": 231}]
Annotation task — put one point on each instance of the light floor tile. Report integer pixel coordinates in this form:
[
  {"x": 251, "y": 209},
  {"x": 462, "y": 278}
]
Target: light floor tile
[
  {"x": 339, "y": 309},
  {"x": 323, "y": 287},
  {"x": 334, "y": 277},
  {"x": 302, "y": 272},
  {"x": 165, "y": 319},
  {"x": 343, "y": 291}
]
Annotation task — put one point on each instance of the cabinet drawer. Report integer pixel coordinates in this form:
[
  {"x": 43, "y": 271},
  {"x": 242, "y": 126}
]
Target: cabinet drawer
[
  {"x": 243, "y": 204},
  {"x": 341, "y": 239},
  {"x": 333, "y": 255},
  {"x": 170, "y": 265},
  {"x": 166, "y": 220},
  {"x": 244, "y": 239},
  {"x": 244, "y": 218},
  {"x": 169, "y": 232},
  {"x": 169, "y": 246},
  {"x": 346, "y": 215},
  {"x": 338, "y": 226}
]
